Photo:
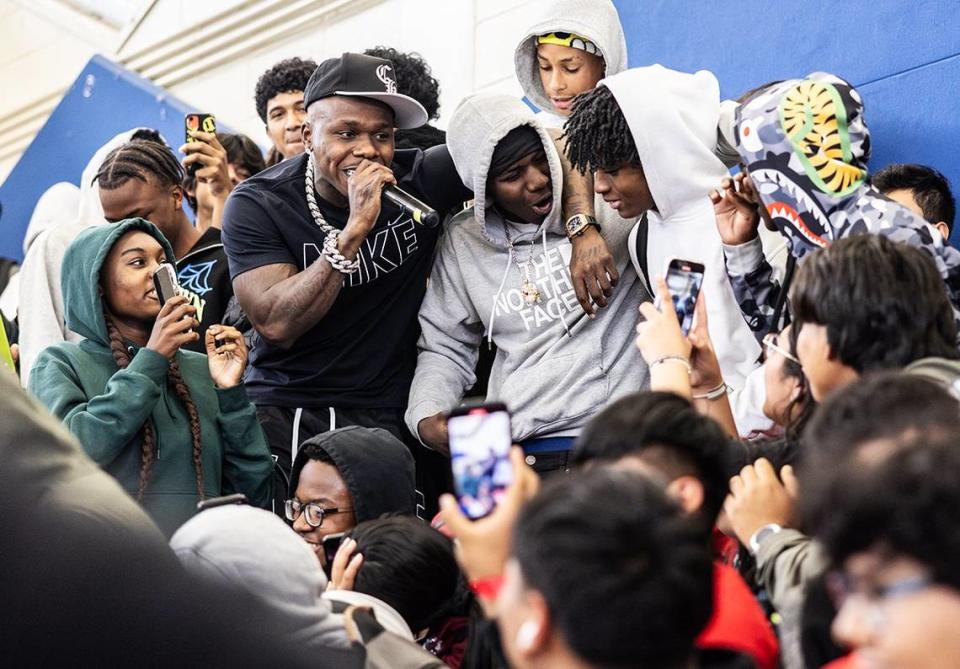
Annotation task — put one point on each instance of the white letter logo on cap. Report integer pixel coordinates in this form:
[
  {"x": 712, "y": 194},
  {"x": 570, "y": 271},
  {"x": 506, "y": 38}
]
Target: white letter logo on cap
[{"x": 383, "y": 74}]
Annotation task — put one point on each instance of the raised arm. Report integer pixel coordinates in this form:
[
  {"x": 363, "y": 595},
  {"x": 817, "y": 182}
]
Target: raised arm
[{"x": 284, "y": 303}]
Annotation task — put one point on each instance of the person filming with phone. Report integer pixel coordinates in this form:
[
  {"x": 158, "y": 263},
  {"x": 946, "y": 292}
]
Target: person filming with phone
[{"x": 172, "y": 426}]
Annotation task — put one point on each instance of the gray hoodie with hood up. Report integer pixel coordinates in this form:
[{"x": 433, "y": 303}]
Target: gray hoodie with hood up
[
  {"x": 597, "y": 20},
  {"x": 555, "y": 366}
]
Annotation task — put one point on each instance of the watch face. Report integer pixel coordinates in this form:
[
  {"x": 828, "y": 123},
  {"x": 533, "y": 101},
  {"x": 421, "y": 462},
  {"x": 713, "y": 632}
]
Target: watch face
[{"x": 576, "y": 223}]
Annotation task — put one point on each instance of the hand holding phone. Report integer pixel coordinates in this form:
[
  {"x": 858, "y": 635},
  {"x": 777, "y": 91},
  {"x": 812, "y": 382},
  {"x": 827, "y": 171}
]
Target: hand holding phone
[
  {"x": 684, "y": 280},
  {"x": 165, "y": 282},
  {"x": 193, "y": 123},
  {"x": 480, "y": 441}
]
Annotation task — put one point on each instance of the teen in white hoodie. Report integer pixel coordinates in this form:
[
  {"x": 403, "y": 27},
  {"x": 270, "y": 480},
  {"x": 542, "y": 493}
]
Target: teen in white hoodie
[
  {"x": 649, "y": 136},
  {"x": 569, "y": 47},
  {"x": 505, "y": 277}
]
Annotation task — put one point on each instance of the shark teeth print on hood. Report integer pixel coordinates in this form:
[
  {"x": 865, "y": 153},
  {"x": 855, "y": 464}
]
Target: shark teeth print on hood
[
  {"x": 806, "y": 147},
  {"x": 597, "y": 20}
]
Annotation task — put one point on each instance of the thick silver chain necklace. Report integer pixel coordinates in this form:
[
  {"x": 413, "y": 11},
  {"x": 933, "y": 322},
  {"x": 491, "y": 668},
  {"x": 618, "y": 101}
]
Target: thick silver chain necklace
[{"x": 331, "y": 248}]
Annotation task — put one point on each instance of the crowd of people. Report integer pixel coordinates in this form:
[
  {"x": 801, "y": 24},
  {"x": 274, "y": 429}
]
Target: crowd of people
[{"x": 257, "y": 469}]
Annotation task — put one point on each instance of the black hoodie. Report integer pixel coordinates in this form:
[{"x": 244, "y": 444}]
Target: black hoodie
[{"x": 376, "y": 466}]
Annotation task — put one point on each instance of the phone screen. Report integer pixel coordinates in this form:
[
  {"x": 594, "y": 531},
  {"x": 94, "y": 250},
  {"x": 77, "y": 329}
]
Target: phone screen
[
  {"x": 480, "y": 443},
  {"x": 684, "y": 280}
]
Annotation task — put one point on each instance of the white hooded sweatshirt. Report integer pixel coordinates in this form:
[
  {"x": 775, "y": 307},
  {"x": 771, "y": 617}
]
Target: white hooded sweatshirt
[
  {"x": 673, "y": 119},
  {"x": 597, "y": 20},
  {"x": 555, "y": 367},
  {"x": 57, "y": 205},
  {"x": 252, "y": 550},
  {"x": 41, "y": 303}
]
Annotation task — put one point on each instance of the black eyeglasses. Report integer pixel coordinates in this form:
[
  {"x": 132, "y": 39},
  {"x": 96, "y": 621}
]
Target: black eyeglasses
[{"x": 312, "y": 512}]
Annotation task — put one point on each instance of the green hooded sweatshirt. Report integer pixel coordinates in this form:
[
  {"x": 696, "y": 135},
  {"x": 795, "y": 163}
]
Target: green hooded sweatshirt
[{"x": 106, "y": 407}]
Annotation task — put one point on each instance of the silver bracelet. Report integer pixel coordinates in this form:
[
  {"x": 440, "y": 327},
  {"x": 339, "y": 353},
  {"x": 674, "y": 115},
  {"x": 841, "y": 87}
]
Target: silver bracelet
[
  {"x": 713, "y": 394},
  {"x": 337, "y": 260},
  {"x": 673, "y": 358}
]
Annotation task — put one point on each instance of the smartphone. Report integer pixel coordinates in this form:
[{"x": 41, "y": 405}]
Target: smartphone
[
  {"x": 165, "y": 281},
  {"x": 331, "y": 544},
  {"x": 226, "y": 500},
  {"x": 684, "y": 280},
  {"x": 480, "y": 441},
  {"x": 191, "y": 124}
]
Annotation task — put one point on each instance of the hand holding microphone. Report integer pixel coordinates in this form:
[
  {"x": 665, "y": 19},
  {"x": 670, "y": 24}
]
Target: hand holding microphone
[{"x": 368, "y": 176}]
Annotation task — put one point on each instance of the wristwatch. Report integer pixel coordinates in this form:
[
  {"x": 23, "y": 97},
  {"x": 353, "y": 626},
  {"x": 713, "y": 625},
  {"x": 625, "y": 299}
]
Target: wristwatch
[
  {"x": 578, "y": 223},
  {"x": 761, "y": 534}
]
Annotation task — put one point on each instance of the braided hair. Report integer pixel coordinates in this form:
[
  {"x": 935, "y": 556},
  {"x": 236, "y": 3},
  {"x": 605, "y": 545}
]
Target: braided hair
[
  {"x": 597, "y": 133},
  {"x": 141, "y": 159},
  {"x": 148, "y": 433}
]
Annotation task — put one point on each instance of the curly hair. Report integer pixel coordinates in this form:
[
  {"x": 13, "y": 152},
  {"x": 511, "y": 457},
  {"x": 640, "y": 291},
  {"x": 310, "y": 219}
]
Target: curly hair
[
  {"x": 597, "y": 133},
  {"x": 414, "y": 77},
  {"x": 141, "y": 159},
  {"x": 148, "y": 433},
  {"x": 286, "y": 76}
]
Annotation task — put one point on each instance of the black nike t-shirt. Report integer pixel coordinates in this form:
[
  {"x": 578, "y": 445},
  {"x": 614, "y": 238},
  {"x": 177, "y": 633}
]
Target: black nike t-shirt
[{"x": 362, "y": 353}]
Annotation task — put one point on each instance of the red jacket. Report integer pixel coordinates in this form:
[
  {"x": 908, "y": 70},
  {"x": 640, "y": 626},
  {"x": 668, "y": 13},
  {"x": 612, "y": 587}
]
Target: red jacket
[{"x": 738, "y": 622}]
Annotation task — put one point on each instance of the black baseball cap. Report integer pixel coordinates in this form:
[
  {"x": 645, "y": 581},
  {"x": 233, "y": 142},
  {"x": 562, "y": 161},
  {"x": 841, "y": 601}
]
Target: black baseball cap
[{"x": 363, "y": 76}]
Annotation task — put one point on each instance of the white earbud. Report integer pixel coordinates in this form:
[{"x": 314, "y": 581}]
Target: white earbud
[{"x": 527, "y": 635}]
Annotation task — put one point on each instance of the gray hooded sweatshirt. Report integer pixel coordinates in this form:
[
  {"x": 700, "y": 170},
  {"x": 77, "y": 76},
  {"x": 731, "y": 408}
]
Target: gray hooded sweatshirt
[
  {"x": 597, "y": 20},
  {"x": 554, "y": 367}
]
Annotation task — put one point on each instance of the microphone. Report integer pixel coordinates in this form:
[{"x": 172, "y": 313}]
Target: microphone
[{"x": 420, "y": 212}]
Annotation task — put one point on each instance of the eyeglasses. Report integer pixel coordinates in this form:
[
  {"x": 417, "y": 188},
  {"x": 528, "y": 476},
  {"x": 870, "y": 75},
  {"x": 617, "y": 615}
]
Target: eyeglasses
[
  {"x": 842, "y": 592},
  {"x": 312, "y": 512},
  {"x": 771, "y": 342}
]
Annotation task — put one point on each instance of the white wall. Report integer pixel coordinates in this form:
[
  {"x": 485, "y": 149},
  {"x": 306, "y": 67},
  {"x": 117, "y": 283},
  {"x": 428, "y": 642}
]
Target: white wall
[{"x": 468, "y": 43}]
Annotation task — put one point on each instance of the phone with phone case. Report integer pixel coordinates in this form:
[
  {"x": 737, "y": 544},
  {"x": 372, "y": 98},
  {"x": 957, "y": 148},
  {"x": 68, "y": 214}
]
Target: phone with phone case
[
  {"x": 331, "y": 544},
  {"x": 684, "y": 280},
  {"x": 166, "y": 283},
  {"x": 480, "y": 441},
  {"x": 193, "y": 123}
]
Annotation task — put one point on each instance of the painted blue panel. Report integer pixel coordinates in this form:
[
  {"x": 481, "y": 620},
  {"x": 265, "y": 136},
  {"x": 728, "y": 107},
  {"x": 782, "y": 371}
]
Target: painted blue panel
[
  {"x": 754, "y": 41},
  {"x": 904, "y": 57},
  {"x": 915, "y": 118},
  {"x": 105, "y": 99}
]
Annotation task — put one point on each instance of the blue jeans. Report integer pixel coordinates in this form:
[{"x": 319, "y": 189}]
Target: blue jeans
[{"x": 548, "y": 454}]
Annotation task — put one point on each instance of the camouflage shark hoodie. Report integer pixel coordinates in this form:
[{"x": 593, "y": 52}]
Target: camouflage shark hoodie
[{"x": 806, "y": 145}]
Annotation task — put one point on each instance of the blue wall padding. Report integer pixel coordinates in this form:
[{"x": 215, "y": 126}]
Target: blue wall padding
[
  {"x": 904, "y": 57},
  {"x": 104, "y": 100}
]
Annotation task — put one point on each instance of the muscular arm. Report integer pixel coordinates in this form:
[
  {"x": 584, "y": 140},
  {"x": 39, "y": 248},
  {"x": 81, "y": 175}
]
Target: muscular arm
[{"x": 283, "y": 303}]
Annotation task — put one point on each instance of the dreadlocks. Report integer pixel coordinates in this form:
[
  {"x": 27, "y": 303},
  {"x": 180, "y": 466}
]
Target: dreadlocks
[
  {"x": 597, "y": 133},
  {"x": 141, "y": 159}
]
